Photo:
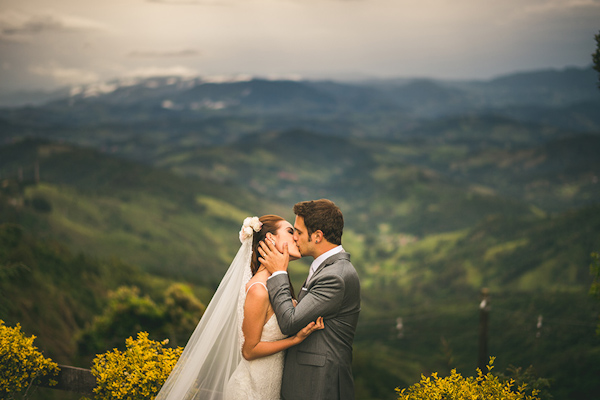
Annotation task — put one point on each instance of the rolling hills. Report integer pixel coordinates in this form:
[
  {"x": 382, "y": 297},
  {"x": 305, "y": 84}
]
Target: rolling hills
[
  {"x": 421, "y": 242},
  {"x": 107, "y": 206},
  {"x": 447, "y": 187}
]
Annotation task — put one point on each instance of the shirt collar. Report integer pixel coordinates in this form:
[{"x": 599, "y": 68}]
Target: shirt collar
[{"x": 319, "y": 260}]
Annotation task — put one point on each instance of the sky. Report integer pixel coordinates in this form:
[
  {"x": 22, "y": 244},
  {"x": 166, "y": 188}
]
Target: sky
[{"x": 49, "y": 44}]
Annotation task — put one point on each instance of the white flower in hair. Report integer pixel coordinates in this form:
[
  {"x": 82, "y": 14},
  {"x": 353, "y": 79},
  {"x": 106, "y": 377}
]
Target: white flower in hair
[{"x": 250, "y": 225}]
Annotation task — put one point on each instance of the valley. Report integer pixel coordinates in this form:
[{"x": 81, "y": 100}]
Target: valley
[{"x": 446, "y": 188}]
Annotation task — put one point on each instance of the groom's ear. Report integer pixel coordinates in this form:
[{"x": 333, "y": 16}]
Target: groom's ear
[{"x": 318, "y": 236}]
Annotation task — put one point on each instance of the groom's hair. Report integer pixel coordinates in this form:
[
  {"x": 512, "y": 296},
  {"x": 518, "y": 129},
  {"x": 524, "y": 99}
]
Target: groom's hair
[{"x": 322, "y": 215}]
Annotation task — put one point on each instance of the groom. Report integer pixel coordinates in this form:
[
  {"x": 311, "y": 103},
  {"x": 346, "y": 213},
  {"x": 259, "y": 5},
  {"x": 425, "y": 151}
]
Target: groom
[{"x": 321, "y": 366}]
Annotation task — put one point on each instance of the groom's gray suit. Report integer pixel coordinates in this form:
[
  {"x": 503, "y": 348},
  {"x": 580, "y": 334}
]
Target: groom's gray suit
[{"x": 321, "y": 366}]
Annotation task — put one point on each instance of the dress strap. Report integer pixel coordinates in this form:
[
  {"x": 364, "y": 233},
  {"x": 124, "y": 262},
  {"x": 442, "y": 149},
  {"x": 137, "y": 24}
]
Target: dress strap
[{"x": 265, "y": 286}]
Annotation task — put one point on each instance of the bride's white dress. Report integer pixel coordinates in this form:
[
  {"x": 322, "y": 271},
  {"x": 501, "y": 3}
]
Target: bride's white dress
[{"x": 259, "y": 379}]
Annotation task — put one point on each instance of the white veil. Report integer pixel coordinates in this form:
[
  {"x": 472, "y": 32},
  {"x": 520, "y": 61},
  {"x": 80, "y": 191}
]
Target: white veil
[{"x": 214, "y": 349}]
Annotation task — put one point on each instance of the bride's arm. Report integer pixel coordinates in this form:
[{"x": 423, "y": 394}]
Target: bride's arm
[{"x": 255, "y": 310}]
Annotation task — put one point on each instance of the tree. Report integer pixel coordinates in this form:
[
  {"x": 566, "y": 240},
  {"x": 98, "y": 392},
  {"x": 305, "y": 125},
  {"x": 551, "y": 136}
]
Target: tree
[
  {"x": 182, "y": 310},
  {"x": 128, "y": 312}
]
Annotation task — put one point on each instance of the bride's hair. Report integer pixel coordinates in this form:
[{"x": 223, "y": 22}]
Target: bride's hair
[{"x": 270, "y": 224}]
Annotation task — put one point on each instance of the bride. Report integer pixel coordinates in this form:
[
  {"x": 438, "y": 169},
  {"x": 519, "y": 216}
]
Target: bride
[{"x": 235, "y": 351}]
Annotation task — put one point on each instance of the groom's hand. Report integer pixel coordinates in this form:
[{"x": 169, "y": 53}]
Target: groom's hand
[{"x": 273, "y": 259}]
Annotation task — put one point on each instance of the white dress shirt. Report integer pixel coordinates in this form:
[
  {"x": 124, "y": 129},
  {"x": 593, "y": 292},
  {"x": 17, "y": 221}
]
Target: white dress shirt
[{"x": 319, "y": 260}]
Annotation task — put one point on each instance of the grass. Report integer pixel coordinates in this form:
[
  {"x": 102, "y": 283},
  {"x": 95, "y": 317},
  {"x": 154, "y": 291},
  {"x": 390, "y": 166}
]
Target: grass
[{"x": 145, "y": 230}]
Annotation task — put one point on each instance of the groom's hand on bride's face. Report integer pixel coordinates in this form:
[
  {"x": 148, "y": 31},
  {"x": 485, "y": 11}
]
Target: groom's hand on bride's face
[{"x": 272, "y": 258}]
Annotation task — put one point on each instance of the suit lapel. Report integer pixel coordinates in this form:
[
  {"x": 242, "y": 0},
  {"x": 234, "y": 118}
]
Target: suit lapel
[
  {"x": 330, "y": 260},
  {"x": 339, "y": 256}
]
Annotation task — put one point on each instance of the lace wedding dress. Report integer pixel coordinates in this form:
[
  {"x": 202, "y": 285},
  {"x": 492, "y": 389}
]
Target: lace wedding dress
[{"x": 259, "y": 379}]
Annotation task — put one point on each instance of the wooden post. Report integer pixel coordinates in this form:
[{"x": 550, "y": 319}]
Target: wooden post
[
  {"x": 484, "y": 311},
  {"x": 73, "y": 379}
]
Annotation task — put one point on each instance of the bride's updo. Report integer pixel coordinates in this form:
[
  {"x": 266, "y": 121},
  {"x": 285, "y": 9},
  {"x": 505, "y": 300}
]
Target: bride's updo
[{"x": 270, "y": 223}]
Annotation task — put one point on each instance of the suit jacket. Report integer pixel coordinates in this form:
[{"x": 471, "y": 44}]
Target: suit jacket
[{"x": 321, "y": 366}]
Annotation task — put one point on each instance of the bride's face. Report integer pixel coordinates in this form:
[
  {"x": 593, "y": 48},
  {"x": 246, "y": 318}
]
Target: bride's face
[{"x": 285, "y": 234}]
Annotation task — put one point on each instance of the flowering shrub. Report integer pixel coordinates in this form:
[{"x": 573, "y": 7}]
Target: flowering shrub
[
  {"x": 456, "y": 387},
  {"x": 136, "y": 373},
  {"x": 21, "y": 364}
]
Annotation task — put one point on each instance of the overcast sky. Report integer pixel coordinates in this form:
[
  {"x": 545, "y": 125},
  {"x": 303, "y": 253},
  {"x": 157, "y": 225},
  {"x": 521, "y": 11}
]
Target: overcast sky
[{"x": 45, "y": 44}]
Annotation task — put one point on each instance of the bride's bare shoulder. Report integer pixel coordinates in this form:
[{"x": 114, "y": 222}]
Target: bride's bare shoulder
[{"x": 256, "y": 287}]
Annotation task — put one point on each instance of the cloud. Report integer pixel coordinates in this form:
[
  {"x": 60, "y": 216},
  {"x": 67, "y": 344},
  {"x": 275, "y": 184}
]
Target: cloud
[
  {"x": 188, "y": 2},
  {"x": 147, "y": 72},
  {"x": 63, "y": 75},
  {"x": 165, "y": 54},
  {"x": 564, "y": 4},
  {"x": 16, "y": 26},
  {"x": 544, "y": 8}
]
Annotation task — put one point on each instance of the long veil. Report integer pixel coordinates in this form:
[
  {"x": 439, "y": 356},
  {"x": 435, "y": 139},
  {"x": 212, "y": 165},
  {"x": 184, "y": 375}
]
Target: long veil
[{"x": 213, "y": 351}]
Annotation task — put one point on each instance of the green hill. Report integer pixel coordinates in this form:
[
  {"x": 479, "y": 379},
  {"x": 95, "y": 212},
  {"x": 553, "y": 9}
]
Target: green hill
[
  {"x": 446, "y": 187},
  {"x": 105, "y": 206},
  {"x": 557, "y": 173},
  {"x": 424, "y": 243},
  {"x": 372, "y": 181},
  {"x": 51, "y": 291}
]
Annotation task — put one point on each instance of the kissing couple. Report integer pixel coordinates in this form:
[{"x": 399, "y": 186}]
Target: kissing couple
[{"x": 256, "y": 340}]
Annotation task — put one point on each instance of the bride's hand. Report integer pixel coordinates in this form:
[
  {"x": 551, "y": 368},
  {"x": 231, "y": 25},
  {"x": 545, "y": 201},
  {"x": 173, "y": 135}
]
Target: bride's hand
[
  {"x": 310, "y": 328},
  {"x": 272, "y": 258}
]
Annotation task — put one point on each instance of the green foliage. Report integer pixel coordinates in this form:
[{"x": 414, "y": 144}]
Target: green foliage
[
  {"x": 40, "y": 203},
  {"x": 378, "y": 369},
  {"x": 111, "y": 207},
  {"x": 127, "y": 312},
  {"x": 427, "y": 222},
  {"x": 21, "y": 364},
  {"x": 518, "y": 253},
  {"x": 596, "y": 57},
  {"x": 529, "y": 380},
  {"x": 595, "y": 288},
  {"x": 137, "y": 373},
  {"x": 182, "y": 311},
  {"x": 442, "y": 333},
  {"x": 52, "y": 292},
  {"x": 457, "y": 387}
]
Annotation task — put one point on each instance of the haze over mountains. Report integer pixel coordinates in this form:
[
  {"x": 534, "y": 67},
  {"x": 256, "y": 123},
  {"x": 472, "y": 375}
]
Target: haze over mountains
[
  {"x": 446, "y": 187},
  {"x": 523, "y": 129}
]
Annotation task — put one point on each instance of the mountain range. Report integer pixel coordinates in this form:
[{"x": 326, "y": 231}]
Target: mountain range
[{"x": 446, "y": 187}]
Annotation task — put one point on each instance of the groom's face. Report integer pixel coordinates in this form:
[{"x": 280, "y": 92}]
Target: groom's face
[{"x": 301, "y": 237}]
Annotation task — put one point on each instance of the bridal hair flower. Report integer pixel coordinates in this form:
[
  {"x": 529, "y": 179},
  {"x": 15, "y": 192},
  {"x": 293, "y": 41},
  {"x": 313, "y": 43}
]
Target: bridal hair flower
[{"x": 250, "y": 225}]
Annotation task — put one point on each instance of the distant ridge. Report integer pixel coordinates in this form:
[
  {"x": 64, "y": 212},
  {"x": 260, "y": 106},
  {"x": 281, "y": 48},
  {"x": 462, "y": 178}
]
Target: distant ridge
[{"x": 564, "y": 78}]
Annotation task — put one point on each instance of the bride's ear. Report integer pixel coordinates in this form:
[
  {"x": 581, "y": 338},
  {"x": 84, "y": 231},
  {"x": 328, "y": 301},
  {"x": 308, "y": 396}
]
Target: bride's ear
[{"x": 270, "y": 237}]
